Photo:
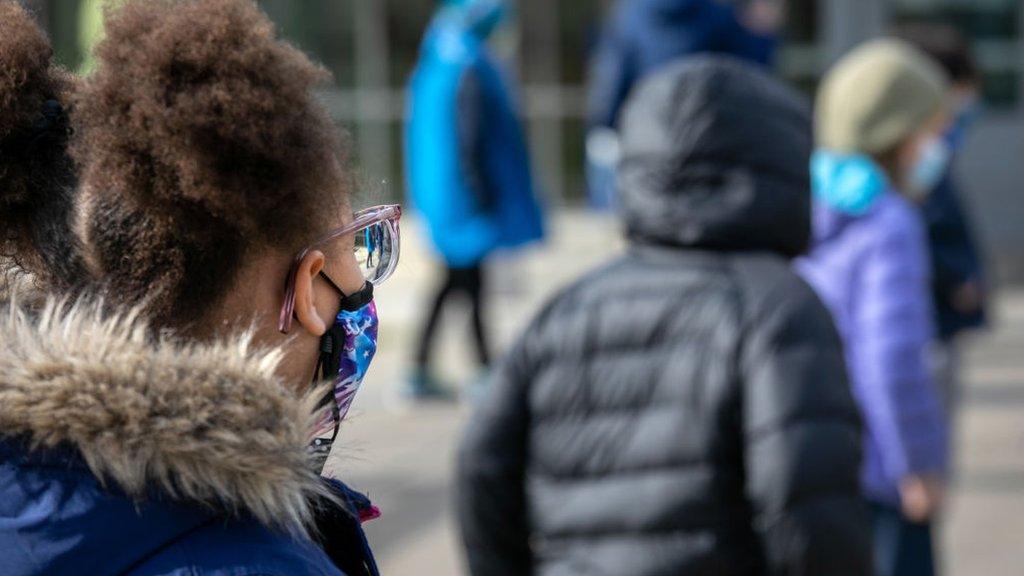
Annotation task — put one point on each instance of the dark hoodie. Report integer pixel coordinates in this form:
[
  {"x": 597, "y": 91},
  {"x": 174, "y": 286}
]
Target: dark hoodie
[{"x": 684, "y": 410}]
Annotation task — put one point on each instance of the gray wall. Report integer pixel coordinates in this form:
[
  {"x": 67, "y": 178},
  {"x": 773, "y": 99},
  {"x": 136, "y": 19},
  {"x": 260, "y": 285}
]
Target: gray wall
[{"x": 992, "y": 173}]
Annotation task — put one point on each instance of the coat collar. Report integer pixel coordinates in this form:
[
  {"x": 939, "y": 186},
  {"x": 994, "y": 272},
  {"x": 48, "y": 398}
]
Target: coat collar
[{"x": 207, "y": 424}]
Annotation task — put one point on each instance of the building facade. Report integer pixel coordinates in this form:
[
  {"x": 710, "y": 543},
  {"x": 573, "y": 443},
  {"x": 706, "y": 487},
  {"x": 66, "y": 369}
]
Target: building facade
[{"x": 371, "y": 46}]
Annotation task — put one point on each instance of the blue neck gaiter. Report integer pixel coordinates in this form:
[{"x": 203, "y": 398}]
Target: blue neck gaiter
[{"x": 847, "y": 183}]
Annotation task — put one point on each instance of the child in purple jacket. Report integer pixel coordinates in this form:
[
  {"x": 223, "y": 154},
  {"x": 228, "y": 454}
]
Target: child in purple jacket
[{"x": 880, "y": 116}]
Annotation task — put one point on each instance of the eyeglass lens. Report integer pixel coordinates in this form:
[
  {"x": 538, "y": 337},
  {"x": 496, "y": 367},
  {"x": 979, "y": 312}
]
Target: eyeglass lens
[{"x": 374, "y": 250}]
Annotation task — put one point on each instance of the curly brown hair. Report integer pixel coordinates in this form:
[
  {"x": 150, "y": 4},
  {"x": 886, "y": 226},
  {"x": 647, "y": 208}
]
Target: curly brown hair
[
  {"x": 200, "y": 142},
  {"x": 36, "y": 173}
]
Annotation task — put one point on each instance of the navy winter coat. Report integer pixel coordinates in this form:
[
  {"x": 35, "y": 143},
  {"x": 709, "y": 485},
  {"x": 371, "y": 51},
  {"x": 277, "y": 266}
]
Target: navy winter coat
[
  {"x": 124, "y": 455},
  {"x": 955, "y": 259}
]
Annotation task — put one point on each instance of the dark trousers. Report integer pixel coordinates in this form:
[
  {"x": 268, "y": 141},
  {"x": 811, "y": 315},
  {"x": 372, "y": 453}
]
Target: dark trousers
[
  {"x": 468, "y": 282},
  {"x": 902, "y": 548}
]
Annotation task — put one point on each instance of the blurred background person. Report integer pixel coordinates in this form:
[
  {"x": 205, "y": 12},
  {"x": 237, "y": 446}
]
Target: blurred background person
[
  {"x": 684, "y": 409},
  {"x": 643, "y": 35},
  {"x": 959, "y": 287},
  {"x": 469, "y": 172},
  {"x": 880, "y": 121}
]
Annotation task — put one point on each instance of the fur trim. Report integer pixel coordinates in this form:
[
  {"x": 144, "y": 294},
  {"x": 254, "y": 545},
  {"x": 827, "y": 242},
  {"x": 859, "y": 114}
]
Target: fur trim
[{"x": 208, "y": 424}]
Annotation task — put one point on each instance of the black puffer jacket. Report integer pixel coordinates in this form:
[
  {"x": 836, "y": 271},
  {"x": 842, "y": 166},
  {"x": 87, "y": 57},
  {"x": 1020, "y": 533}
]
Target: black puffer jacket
[{"x": 684, "y": 410}]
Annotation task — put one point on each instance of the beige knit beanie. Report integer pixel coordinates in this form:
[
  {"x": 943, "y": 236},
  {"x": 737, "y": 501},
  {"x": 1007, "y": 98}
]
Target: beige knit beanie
[{"x": 876, "y": 96}]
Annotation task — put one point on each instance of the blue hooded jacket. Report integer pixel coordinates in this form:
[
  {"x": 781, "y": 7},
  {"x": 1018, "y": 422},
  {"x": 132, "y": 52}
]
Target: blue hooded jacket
[
  {"x": 468, "y": 166},
  {"x": 646, "y": 34},
  {"x": 121, "y": 455}
]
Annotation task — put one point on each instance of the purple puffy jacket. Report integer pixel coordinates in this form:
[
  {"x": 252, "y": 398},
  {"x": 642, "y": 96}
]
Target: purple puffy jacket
[{"x": 872, "y": 271}]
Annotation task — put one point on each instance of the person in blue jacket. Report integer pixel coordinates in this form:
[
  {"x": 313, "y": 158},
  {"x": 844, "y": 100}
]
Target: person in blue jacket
[
  {"x": 959, "y": 288},
  {"x": 644, "y": 35},
  {"x": 468, "y": 165}
]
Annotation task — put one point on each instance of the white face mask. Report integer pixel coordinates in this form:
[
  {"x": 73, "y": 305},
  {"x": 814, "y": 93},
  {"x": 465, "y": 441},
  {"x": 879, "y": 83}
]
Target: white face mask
[{"x": 928, "y": 169}]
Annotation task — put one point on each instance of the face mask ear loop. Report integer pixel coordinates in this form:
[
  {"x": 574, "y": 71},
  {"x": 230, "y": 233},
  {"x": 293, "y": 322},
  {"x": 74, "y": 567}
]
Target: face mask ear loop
[
  {"x": 321, "y": 374},
  {"x": 327, "y": 364},
  {"x": 327, "y": 372}
]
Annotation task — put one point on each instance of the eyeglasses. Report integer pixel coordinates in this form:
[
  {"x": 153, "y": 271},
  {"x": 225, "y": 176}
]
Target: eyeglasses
[{"x": 377, "y": 245}]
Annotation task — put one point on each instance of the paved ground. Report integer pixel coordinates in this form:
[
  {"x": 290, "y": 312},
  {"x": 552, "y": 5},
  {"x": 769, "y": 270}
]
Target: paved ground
[{"x": 404, "y": 459}]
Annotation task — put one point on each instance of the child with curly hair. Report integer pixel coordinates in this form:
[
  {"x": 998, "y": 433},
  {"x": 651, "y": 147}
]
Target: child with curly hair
[{"x": 191, "y": 195}]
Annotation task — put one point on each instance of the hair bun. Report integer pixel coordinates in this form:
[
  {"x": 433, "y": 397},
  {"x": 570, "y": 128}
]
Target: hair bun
[
  {"x": 198, "y": 140},
  {"x": 197, "y": 102},
  {"x": 27, "y": 83}
]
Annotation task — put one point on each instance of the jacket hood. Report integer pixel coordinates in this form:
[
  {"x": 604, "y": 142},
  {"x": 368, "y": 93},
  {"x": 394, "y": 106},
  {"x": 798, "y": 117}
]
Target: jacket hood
[
  {"x": 203, "y": 424},
  {"x": 715, "y": 155},
  {"x": 477, "y": 17}
]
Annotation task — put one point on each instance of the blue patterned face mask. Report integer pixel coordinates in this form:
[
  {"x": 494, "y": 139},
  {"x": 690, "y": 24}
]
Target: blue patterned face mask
[{"x": 346, "y": 351}]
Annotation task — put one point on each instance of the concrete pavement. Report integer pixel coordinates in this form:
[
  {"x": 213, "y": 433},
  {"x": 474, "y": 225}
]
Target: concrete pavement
[{"x": 404, "y": 460}]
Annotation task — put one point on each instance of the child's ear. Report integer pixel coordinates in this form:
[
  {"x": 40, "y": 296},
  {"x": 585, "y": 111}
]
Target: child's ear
[{"x": 305, "y": 297}]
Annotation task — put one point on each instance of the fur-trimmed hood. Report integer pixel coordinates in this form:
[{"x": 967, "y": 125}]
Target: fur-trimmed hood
[{"x": 205, "y": 424}]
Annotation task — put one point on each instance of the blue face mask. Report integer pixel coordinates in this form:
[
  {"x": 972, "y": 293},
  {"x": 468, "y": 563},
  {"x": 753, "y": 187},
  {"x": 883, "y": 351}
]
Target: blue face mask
[
  {"x": 346, "y": 351},
  {"x": 929, "y": 169}
]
